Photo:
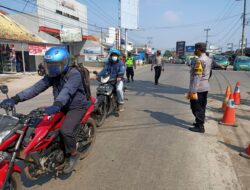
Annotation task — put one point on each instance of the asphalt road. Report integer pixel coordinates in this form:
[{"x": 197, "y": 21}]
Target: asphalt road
[{"x": 149, "y": 146}]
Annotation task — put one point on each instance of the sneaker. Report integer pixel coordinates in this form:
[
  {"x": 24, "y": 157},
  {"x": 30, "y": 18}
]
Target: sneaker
[
  {"x": 120, "y": 108},
  {"x": 71, "y": 163},
  {"x": 128, "y": 81}
]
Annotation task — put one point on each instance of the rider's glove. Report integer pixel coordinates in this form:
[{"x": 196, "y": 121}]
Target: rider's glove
[
  {"x": 52, "y": 110},
  {"x": 56, "y": 107},
  {"x": 10, "y": 101}
]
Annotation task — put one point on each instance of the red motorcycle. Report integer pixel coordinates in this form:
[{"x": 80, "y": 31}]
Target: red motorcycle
[{"x": 35, "y": 139}]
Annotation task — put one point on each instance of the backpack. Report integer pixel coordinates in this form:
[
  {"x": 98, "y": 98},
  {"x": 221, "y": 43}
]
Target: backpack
[{"x": 85, "y": 79}]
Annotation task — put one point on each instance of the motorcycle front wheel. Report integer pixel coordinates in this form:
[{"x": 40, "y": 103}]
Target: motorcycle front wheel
[
  {"x": 41, "y": 72},
  {"x": 85, "y": 138},
  {"x": 14, "y": 182},
  {"x": 101, "y": 114}
]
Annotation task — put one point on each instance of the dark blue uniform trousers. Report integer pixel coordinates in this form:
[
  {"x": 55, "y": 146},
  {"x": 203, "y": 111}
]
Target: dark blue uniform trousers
[
  {"x": 199, "y": 108},
  {"x": 72, "y": 121}
]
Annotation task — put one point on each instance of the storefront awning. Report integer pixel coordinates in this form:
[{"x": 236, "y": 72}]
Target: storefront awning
[{"x": 10, "y": 30}]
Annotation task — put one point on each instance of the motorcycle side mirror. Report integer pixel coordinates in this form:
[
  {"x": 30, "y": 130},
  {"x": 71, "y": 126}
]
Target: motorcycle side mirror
[
  {"x": 4, "y": 89},
  {"x": 95, "y": 72}
]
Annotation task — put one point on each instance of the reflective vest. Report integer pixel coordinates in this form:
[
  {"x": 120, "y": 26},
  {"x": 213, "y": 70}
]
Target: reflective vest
[{"x": 129, "y": 62}]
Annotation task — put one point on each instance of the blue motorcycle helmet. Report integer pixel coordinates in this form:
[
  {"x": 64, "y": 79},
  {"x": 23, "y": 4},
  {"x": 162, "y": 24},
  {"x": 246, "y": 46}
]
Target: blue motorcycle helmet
[
  {"x": 56, "y": 61},
  {"x": 114, "y": 55}
]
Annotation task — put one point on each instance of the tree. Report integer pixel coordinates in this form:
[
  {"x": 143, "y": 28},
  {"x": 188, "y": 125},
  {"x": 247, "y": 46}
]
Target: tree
[{"x": 167, "y": 54}]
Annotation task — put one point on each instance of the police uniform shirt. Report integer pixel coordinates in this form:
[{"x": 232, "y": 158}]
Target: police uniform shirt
[{"x": 199, "y": 74}]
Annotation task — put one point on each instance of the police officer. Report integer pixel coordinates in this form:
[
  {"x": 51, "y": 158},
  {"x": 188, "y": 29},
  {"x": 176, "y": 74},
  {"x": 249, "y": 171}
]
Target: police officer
[
  {"x": 199, "y": 86},
  {"x": 158, "y": 66},
  {"x": 130, "y": 67}
]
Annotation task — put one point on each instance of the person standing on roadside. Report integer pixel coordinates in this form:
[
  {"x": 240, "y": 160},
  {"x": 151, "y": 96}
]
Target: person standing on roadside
[
  {"x": 199, "y": 86},
  {"x": 130, "y": 64},
  {"x": 158, "y": 66}
]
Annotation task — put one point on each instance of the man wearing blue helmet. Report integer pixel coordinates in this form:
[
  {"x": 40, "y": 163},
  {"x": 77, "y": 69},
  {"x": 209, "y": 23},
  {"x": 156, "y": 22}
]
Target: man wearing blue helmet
[
  {"x": 69, "y": 97},
  {"x": 115, "y": 68}
]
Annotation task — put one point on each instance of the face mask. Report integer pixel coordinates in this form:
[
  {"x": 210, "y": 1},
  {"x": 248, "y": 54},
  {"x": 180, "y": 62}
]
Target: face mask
[{"x": 114, "y": 58}]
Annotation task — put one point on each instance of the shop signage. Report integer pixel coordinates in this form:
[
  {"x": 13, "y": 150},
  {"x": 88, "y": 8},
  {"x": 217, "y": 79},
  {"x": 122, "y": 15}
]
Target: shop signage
[{"x": 37, "y": 49}]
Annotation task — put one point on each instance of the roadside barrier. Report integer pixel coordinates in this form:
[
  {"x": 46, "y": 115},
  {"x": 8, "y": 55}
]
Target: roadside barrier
[
  {"x": 247, "y": 153},
  {"x": 229, "y": 114},
  {"x": 227, "y": 94},
  {"x": 237, "y": 94}
]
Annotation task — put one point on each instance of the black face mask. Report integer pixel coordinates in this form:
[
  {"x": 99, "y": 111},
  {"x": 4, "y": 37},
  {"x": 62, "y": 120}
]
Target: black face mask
[{"x": 195, "y": 52}]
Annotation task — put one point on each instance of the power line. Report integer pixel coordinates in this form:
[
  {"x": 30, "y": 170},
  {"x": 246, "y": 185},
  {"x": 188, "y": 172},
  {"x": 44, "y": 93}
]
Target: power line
[
  {"x": 101, "y": 12},
  {"x": 45, "y": 18},
  {"x": 101, "y": 17},
  {"x": 226, "y": 11},
  {"x": 188, "y": 25},
  {"x": 27, "y": 2},
  {"x": 219, "y": 33},
  {"x": 231, "y": 31},
  {"x": 49, "y": 10}
]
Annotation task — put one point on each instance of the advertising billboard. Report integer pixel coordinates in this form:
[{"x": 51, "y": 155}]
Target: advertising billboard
[
  {"x": 129, "y": 13},
  {"x": 180, "y": 48},
  {"x": 190, "y": 49}
]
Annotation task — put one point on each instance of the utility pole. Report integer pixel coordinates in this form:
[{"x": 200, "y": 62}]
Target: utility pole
[
  {"x": 243, "y": 28},
  {"x": 207, "y": 30},
  {"x": 230, "y": 46},
  {"x": 126, "y": 41},
  {"x": 149, "y": 41},
  {"x": 101, "y": 42},
  {"x": 119, "y": 25}
]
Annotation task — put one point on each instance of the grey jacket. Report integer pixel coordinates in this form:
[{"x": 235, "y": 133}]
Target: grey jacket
[
  {"x": 199, "y": 74},
  {"x": 68, "y": 90}
]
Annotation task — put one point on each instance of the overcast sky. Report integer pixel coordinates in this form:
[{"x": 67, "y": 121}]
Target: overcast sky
[{"x": 168, "y": 21}]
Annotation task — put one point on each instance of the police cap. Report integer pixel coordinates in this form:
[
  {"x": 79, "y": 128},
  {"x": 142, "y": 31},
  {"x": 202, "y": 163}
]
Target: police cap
[{"x": 202, "y": 46}]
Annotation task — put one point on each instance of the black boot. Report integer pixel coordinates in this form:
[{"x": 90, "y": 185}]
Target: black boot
[
  {"x": 70, "y": 164},
  {"x": 197, "y": 129},
  {"x": 195, "y": 124}
]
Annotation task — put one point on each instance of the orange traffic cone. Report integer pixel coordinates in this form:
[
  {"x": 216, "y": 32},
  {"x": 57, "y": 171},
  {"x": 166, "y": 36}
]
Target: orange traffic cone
[
  {"x": 227, "y": 94},
  {"x": 237, "y": 94},
  {"x": 229, "y": 114},
  {"x": 247, "y": 153}
]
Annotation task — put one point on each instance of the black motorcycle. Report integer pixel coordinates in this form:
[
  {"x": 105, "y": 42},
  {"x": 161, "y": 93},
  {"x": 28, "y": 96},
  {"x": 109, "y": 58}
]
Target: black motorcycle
[{"x": 106, "y": 100}]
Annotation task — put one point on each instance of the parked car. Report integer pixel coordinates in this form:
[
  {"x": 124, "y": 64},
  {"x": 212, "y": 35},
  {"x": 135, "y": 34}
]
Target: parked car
[
  {"x": 180, "y": 60},
  {"x": 220, "y": 62},
  {"x": 191, "y": 60},
  {"x": 241, "y": 63}
]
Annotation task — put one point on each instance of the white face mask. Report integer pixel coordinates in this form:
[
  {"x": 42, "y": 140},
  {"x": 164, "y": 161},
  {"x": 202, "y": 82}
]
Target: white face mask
[{"x": 114, "y": 58}]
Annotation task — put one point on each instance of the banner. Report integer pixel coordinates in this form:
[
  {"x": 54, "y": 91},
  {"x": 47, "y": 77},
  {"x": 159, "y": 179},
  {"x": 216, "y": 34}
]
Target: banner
[
  {"x": 37, "y": 49},
  {"x": 71, "y": 35}
]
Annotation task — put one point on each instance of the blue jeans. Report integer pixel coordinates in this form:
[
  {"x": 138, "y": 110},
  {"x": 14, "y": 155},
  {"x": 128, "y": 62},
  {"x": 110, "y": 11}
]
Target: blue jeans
[{"x": 119, "y": 92}]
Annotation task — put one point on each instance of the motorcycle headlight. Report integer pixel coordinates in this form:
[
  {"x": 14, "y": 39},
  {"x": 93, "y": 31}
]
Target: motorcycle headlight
[{"x": 3, "y": 134}]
